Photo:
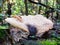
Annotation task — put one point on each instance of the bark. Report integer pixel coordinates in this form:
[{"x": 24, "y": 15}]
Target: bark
[
  {"x": 39, "y": 7},
  {"x": 26, "y": 7}
]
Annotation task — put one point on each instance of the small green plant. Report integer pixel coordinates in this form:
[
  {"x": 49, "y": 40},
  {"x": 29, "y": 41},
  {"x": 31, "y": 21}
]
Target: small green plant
[{"x": 2, "y": 31}]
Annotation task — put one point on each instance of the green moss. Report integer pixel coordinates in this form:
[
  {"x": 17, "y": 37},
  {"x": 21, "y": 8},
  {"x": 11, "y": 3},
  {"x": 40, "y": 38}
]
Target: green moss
[{"x": 47, "y": 42}]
